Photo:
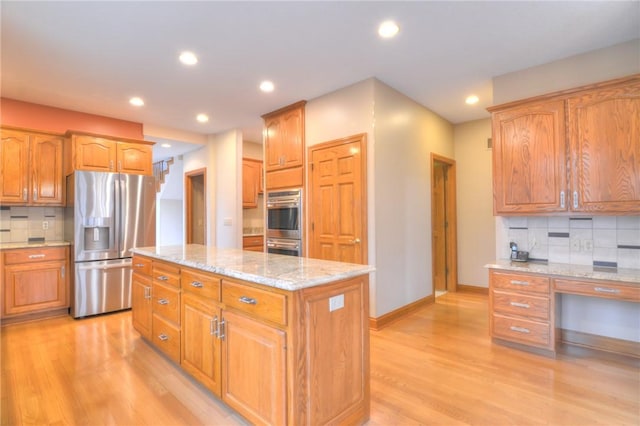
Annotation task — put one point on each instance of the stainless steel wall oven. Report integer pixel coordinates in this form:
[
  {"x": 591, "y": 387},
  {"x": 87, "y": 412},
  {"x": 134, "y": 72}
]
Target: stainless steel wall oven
[{"x": 284, "y": 222}]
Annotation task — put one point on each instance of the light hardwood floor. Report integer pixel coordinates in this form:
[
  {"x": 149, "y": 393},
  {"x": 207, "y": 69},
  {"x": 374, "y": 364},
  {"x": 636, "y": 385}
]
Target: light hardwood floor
[{"x": 436, "y": 366}]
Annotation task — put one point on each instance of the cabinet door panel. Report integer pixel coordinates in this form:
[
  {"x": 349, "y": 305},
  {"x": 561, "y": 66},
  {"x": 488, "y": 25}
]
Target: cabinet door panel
[
  {"x": 46, "y": 165},
  {"x": 95, "y": 154},
  {"x": 141, "y": 304},
  {"x": 254, "y": 377},
  {"x": 200, "y": 344},
  {"x": 14, "y": 163},
  {"x": 292, "y": 129},
  {"x": 251, "y": 180},
  {"x": 134, "y": 158},
  {"x": 605, "y": 146},
  {"x": 529, "y": 158},
  {"x": 29, "y": 288},
  {"x": 273, "y": 142}
]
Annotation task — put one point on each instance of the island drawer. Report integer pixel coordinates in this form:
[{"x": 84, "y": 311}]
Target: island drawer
[
  {"x": 520, "y": 282},
  {"x": 166, "y": 273},
  {"x": 521, "y": 330},
  {"x": 202, "y": 284},
  {"x": 30, "y": 255},
  {"x": 606, "y": 289},
  {"x": 264, "y": 304},
  {"x": 520, "y": 304},
  {"x": 166, "y": 337},
  {"x": 141, "y": 264},
  {"x": 166, "y": 302}
]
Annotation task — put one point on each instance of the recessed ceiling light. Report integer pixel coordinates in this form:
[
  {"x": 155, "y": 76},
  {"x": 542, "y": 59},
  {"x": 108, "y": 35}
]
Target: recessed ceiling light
[
  {"x": 188, "y": 58},
  {"x": 473, "y": 99},
  {"x": 267, "y": 86},
  {"x": 166, "y": 145},
  {"x": 388, "y": 29},
  {"x": 202, "y": 118},
  {"x": 136, "y": 101}
]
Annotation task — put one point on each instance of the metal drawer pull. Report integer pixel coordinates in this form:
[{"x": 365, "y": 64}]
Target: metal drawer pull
[
  {"x": 139, "y": 265},
  {"x": 163, "y": 301},
  {"x": 36, "y": 256},
  {"x": 520, "y": 329},
  {"x": 606, "y": 290},
  {"x": 520, "y": 305},
  {"x": 221, "y": 325},
  {"x": 518, "y": 282},
  {"x": 196, "y": 284},
  {"x": 248, "y": 300},
  {"x": 163, "y": 278},
  {"x": 163, "y": 337}
]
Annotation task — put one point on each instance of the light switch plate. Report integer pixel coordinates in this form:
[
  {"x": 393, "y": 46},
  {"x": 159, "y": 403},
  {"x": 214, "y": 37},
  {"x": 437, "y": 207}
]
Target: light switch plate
[{"x": 336, "y": 302}]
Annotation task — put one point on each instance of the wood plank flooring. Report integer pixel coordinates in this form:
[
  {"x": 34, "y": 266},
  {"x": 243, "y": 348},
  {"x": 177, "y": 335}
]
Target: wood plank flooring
[{"x": 434, "y": 367}]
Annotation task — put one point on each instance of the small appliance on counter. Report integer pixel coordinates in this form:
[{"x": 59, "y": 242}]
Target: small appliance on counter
[{"x": 517, "y": 255}]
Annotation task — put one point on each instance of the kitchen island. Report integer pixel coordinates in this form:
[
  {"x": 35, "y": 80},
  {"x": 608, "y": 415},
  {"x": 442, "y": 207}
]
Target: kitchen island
[{"x": 281, "y": 339}]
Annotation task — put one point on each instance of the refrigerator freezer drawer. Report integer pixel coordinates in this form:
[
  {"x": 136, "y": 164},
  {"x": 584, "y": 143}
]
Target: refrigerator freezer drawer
[{"x": 101, "y": 286}]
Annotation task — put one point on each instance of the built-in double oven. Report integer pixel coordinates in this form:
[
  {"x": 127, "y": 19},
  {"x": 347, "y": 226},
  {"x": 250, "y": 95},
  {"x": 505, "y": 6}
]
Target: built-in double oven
[{"x": 284, "y": 222}]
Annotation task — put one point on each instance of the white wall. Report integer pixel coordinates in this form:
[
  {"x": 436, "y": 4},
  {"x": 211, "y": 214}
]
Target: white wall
[
  {"x": 602, "y": 317},
  {"x": 406, "y": 134},
  {"x": 205, "y": 158},
  {"x": 401, "y": 134},
  {"x": 228, "y": 191},
  {"x": 476, "y": 226},
  {"x": 169, "y": 207}
]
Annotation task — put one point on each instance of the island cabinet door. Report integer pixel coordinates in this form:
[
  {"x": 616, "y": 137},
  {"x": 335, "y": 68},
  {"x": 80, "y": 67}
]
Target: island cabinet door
[
  {"x": 200, "y": 343},
  {"x": 141, "y": 304},
  {"x": 254, "y": 369}
]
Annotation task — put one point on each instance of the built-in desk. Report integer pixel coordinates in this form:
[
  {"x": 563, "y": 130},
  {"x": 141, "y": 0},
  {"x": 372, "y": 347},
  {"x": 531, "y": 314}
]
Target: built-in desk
[{"x": 524, "y": 303}]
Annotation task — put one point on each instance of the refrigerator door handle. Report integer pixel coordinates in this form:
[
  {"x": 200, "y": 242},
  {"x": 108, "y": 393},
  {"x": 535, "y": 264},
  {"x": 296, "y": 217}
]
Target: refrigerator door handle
[{"x": 117, "y": 188}]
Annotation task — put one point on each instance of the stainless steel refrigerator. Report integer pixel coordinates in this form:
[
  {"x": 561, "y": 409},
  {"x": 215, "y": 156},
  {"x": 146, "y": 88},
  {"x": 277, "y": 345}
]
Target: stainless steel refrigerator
[{"x": 107, "y": 214}]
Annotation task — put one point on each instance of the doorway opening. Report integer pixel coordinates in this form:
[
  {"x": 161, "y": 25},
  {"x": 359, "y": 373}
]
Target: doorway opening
[
  {"x": 443, "y": 225},
  {"x": 196, "y": 210}
]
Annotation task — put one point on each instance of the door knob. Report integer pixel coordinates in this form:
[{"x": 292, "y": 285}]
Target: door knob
[{"x": 356, "y": 241}]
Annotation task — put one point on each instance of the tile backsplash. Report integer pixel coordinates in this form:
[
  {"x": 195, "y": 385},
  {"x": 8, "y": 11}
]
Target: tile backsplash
[
  {"x": 598, "y": 241},
  {"x": 19, "y": 224}
]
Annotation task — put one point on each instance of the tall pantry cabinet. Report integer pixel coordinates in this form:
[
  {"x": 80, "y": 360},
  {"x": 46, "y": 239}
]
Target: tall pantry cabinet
[{"x": 576, "y": 151}]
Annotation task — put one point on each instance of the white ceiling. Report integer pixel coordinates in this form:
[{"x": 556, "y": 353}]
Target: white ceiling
[{"x": 92, "y": 56}]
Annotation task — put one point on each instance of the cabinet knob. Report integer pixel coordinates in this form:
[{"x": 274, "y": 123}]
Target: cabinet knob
[{"x": 163, "y": 337}]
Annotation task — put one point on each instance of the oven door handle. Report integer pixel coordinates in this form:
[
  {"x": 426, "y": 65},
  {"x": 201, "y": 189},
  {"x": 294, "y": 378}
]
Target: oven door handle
[
  {"x": 282, "y": 245},
  {"x": 289, "y": 202}
]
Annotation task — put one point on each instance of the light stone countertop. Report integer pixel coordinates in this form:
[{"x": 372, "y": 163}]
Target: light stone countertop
[
  {"x": 570, "y": 271},
  {"x": 25, "y": 244},
  {"x": 285, "y": 272}
]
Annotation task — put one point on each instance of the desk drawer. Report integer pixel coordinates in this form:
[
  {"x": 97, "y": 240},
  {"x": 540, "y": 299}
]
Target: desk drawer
[
  {"x": 521, "y": 330},
  {"x": 605, "y": 289},
  {"x": 166, "y": 302},
  {"x": 520, "y": 282},
  {"x": 520, "y": 304},
  {"x": 202, "y": 284},
  {"x": 263, "y": 304},
  {"x": 166, "y": 337},
  {"x": 166, "y": 273}
]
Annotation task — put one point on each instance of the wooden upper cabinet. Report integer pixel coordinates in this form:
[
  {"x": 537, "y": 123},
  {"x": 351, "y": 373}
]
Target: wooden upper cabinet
[
  {"x": 135, "y": 158},
  {"x": 604, "y": 136},
  {"x": 284, "y": 137},
  {"x": 251, "y": 182},
  {"x": 529, "y": 172},
  {"x": 46, "y": 169},
  {"x": 14, "y": 171},
  {"x": 99, "y": 154},
  {"x": 31, "y": 168},
  {"x": 589, "y": 165}
]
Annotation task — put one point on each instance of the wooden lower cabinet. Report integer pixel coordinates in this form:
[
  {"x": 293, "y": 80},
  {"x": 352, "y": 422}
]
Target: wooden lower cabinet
[
  {"x": 254, "y": 374},
  {"x": 141, "y": 312},
  {"x": 277, "y": 357},
  {"x": 35, "y": 281},
  {"x": 253, "y": 242},
  {"x": 522, "y": 309}
]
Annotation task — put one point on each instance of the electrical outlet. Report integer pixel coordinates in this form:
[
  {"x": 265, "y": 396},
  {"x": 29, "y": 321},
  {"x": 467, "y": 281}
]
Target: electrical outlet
[
  {"x": 336, "y": 302},
  {"x": 227, "y": 221},
  {"x": 575, "y": 244},
  {"x": 587, "y": 245},
  {"x": 45, "y": 224}
]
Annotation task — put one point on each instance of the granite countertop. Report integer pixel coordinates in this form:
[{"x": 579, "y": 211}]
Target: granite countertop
[
  {"x": 570, "y": 271},
  {"x": 25, "y": 244},
  {"x": 274, "y": 270}
]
